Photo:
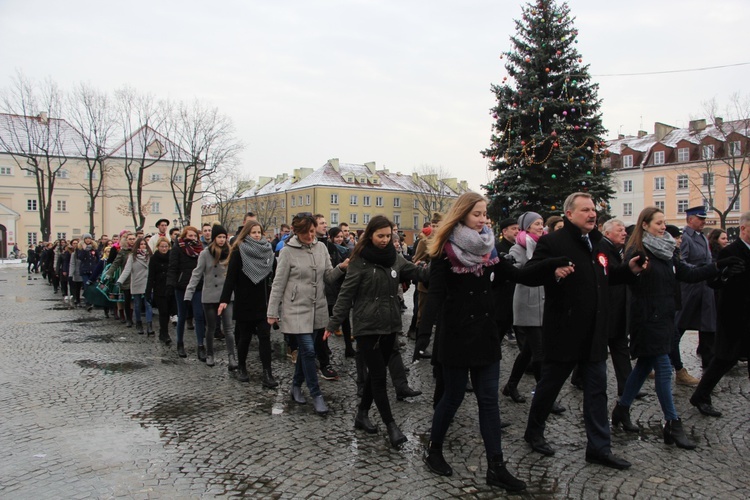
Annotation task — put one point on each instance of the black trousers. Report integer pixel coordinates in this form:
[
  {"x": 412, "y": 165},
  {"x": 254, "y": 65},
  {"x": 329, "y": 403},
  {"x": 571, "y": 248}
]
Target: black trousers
[
  {"x": 595, "y": 413},
  {"x": 162, "y": 305},
  {"x": 376, "y": 351},
  {"x": 619, "y": 350},
  {"x": 532, "y": 351},
  {"x": 243, "y": 334},
  {"x": 711, "y": 377}
]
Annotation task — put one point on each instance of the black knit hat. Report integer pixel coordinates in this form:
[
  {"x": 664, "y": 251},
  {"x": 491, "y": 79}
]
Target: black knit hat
[{"x": 216, "y": 230}]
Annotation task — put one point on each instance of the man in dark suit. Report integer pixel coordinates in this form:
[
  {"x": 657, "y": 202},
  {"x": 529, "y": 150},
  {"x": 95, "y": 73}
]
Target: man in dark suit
[
  {"x": 575, "y": 328},
  {"x": 508, "y": 229},
  {"x": 733, "y": 326}
]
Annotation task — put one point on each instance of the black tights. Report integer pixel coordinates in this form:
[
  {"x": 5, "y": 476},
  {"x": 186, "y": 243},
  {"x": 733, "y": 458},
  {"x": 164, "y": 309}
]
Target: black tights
[
  {"x": 376, "y": 351},
  {"x": 162, "y": 305},
  {"x": 243, "y": 333}
]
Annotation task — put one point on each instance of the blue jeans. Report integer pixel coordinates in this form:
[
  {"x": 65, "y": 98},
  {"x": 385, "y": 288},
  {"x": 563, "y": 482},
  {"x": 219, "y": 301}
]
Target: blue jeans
[
  {"x": 141, "y": 304},
  {"x": 198, "y": 319},
  {"x": 304, "y": 369},
  {"x": 663, "y": 382},
  {"x": 486, "y": 382}
]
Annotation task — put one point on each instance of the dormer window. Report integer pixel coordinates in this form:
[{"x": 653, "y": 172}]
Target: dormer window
[
  {"x": 627, "y": 161},
  {"x": 155, "y": 149}
]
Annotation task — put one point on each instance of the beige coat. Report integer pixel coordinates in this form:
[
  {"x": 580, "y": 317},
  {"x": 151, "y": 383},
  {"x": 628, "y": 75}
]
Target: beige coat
[{"x": 298, "y": 295}]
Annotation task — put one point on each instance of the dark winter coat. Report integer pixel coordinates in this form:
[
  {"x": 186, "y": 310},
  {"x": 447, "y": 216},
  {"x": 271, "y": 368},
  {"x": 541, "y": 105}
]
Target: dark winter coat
[
  {"x": 158, "y": 268},
  {"x": 371, "y": 291},
  {"x": 652, "y": 304},
  {"x": 181, "y": 267},
  {"x": 616, "y": 294},
  {"x": 575, "y": 308},
  {"x": 505, "y": 291},
  {"x": 87, "y": 260},
  {"x": 250, "y": 299},
  {"x": 65, "y": 264},
  {"x": 733, "y": 327},
  {"x": 698, "y": 302},
  {"x": 463, "y": 308},
  {"x": 332, "y": 289},
  {"x": 119, "y": 264}
]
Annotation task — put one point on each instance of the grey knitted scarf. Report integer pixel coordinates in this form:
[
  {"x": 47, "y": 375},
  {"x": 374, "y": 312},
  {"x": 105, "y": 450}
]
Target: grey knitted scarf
[
  {"x": 257, "y": 258},
  {"x": 662, "y": 248}
]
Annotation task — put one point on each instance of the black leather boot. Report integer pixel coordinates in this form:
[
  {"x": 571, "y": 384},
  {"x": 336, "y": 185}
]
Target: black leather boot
[
  {"x": 139, "y": 327},
  {"x": 395, "y": 435},
  {"x": 181, "y": 350},
  {"x": 512, "y": 393},
  {"x": 498, "y": 475},
  {"x": 674, "y": 433},
  {"x": 268, "y": 381},
  {"x": 433, "y": 457},
  {"x": 242, "y": 375},
  {"x": 362, "y": 421},
  {"x": 621, "y": 415}
]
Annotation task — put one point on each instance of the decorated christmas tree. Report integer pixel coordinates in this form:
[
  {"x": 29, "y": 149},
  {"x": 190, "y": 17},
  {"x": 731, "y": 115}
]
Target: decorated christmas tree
[{"x": 546, "y": 140}]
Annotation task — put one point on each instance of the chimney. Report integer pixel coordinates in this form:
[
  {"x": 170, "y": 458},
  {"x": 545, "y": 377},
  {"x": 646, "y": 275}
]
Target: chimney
[
  {"x": 697, "y": 125},
  {"x": 370, "y": 166},
  {"x": 43, "y": 117},
  {"x": 620, "y": 137},
  {"x": 718, "y": 121},
  {"x": 642, "y": 134},
  {"x": 661, "y": 130},
  {"x": 335, "y": 164}
]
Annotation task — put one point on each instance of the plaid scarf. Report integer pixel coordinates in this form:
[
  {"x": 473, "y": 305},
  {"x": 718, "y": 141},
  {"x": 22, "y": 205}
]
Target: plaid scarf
[{"x": 192, "y": 248}]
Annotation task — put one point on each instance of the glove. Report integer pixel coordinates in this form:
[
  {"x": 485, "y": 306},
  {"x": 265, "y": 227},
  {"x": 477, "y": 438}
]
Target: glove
[
  {"x": 733, "y": 270},
  {"x": 508, "y": 257},
  {"x": 641, "y": 258},
  {"x": 729, "y": 261}
]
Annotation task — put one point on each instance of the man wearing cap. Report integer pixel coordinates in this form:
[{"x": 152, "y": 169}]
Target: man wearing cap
[
  {"x": 161, "y": 226},
  {"x": 504, "y": 293},
  {"x": 698, "y": 304}
]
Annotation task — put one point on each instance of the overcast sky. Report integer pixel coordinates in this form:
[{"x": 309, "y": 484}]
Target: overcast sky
[{"x": 403, "y": 83}]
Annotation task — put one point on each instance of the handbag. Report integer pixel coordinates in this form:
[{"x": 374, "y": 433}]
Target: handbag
[{"x": 108, "y": 285}]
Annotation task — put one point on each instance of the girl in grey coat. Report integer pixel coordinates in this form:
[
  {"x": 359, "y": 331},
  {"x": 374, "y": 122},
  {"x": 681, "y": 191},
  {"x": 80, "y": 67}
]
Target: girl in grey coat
[
  {"x": 212, "y": 270},
  {"x": 298, "y": 301},
  {"x": 136, "y": 268}
]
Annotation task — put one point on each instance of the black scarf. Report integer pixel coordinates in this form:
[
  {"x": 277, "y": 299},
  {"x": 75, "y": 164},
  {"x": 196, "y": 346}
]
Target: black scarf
[{"x": 385, "y": 257}]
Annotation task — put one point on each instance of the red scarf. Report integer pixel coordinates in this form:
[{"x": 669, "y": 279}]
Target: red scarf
[{"x": 191, "y": 247}]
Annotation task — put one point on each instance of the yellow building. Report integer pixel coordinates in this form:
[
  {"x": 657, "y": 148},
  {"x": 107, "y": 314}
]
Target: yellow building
[
  {"x": 21, "y": 200},
  {"x": 678, "y": 168},
  {"x": 343, "y": 192}
]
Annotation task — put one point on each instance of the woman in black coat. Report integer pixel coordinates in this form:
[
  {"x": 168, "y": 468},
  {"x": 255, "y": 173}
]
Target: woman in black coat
[
  {"x": 156, "y": 287},
  {"x": 464, "y": 267},
  {"x": 651, "y": 314},
  {"x": 249, "y": 278}
]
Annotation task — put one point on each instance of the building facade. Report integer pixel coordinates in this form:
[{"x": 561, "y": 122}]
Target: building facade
[
  {"x": 70, "y": 203},
  {"x": 677, "y": 168},
  {"x": 343, "y": 192}
]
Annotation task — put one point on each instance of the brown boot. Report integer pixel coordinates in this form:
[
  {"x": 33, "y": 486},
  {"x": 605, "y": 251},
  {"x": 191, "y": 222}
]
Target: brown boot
[{"x": 684, "y": 378}]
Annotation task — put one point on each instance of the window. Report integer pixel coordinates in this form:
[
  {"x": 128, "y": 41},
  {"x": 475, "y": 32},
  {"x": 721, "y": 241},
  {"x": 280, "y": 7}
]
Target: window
[
  {"x": 433, "y": 205},
  {"x": 659, "y": 183},
  {"x": 627, "y": 209},
  {"x": 683, "y": 154},
  {"x": 659, "y": 204},
  {"x": 735, "y": 148},
  {"x": 155, "y": 207},
  {"x": 353, "y": 218},
  {"x": 735, "y": 207},
  {"x": 708, "y": 179},
  {"x": 88, "y": 205},
  {"x": 31, "y": 238},
  {"x": 416, "y": 222},
  {"x": 334, "y": 218},
  {"x": 627, "y": 161},
  {"x": 130, "y": 207},
  {"x": 334, "y": 199},
  {"x": 378, "y": 201},
  {"x": 365, "y": 218},
  {"x": 283, "y": 203},
  {"x": 707, "y": 152},
  {"x": 658, "y": 157},
  {"x": 30, "y": 205},
  {"x": 6, "y": 170},
  {"x": 293, "y": 203},
  {"x": 366, "y": 201},
  {"x": 177, "y": 208},
  {"x": 397, "y": 219},
  {"x": 62, "y": 206},
  {"x": 307, "y": 199},
  {"x": 732, "y": 177},
  {"x": 89, "y": 175},
  {"x": 30, "y": 173},
  {"x": 353, "y": 199},
  {"x": 299, "y": 200},
  {"x": 627, "y": 186},
  {"x": 63, "y": 174},
  {"x": 177, "y": 178},
  {"x": 155, "y": 177},
  {"x": 682, "y": 205},
  {"x": 416, "y": 203},
  {"x": 682, "y": 181},
  {"x": 396, "y": 202},
  {"x": 62, "y": 236}
]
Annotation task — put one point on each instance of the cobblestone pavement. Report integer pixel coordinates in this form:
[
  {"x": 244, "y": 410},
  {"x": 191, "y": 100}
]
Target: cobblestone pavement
[{"x": 91, "y": 409}]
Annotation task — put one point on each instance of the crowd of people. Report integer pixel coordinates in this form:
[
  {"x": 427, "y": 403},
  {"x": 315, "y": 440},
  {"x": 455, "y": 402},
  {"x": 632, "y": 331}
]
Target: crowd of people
[{"x": 570, "y": 290}]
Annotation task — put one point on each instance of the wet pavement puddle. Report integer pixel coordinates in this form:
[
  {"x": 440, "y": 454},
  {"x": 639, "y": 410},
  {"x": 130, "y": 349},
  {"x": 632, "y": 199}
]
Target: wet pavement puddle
[{"x": 107, "y": 367}]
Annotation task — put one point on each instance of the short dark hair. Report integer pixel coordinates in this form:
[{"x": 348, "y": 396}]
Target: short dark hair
[
  {"x": 343, "y": 224},
  {"x": 285, "y": 226},
  {"x": 318, "y": 217},
  {"x": 174, "y": 230},
  {"x": 206, "y": 224}
]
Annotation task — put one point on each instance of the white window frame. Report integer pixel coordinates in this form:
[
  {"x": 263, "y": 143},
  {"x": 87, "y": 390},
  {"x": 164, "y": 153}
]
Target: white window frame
[
  {"x": 90, "y": 175},
  {"x": 365, "y": 201},
  {"x": 155, "y": 208},
  {"x": 334, "y": 199},
  {"x": 735, "y": 148},
  {"x": 708, "y": 179},
  {"x": 32, "y": 205},
  {"x": 627, "y": 161},
  {"x": 708, "y": 152},
  {"x": 683, "y": 182},
  {"x": 155, "y": 177},
  {"x": 353, "y": 199},
  {"x": 683, "y": 155},
  {"x": 307, "y": 199},
  {"x": 659, "y": 204},
  {"x": 6, "y": 170},
  {"x": 659, "y": 183},
  {"x": 177, "y": 178},
  {"x": 378, "y": 201},
  {"x": 397, "y": 219},
  {"x": 32, "y": 239},
  {"x": 299, "y": 200},
  {"x": 365, "y": 219},
  {"x": 627, "y": 186},
  {"x": 396, "y": 202},
  {"x": 735, "y": 207},
  {"x": 63, "y": 174},
  {"x": 659, "y": 157},
  {"x": 627, "y": 209},
  {"x": 61, "y": 205},
  {"x": 416, "y": 222},
  {"x": 334, "y": 217},
  {"x": 62, "y": 236},
  {"x": 353, "y": 218},
  {"x": 682, "y": 205}
]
